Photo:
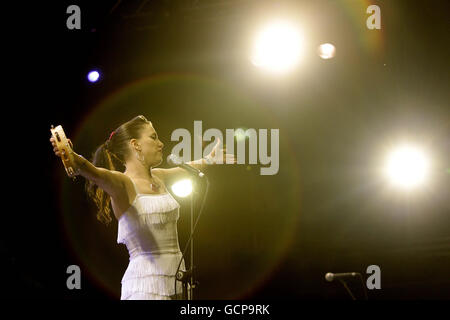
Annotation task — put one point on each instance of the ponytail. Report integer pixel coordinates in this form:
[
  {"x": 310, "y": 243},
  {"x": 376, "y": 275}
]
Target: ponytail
[
  {"x": 111, "y": 155},
  {"x": 102, "y": 200}
]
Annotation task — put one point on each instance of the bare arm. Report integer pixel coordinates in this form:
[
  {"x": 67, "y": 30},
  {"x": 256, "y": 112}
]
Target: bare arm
[
  {"x": 169, "y": 176},
  {"x": 112, "y": 182}
]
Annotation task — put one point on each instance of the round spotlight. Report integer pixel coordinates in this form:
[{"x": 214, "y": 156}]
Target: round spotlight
[
  {"x": 407, "y": 167},
  {"x": 93, "y": 76},
  {"x": 277, "y": 47},
  {"x": 182, "y": 188},
  {"x": 326, "y": 51}
]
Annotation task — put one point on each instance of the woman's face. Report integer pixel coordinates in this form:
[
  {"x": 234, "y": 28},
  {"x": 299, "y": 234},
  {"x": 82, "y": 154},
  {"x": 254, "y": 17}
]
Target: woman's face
[{"x": 151, "y": 146}]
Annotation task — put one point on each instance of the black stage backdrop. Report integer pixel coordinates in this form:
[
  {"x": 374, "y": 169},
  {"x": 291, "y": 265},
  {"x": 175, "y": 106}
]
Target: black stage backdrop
[{"x": 328, "y": 209}]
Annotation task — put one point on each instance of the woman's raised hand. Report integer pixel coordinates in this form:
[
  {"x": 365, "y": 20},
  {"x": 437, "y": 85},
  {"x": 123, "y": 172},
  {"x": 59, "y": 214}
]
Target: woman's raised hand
[
  {"x": 55, "y": 148},
  {"x": 221, "y": 156}
]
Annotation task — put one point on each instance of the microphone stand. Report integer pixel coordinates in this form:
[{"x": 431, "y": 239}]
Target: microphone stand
[
  {"x": 187, "y": 277},
  {"x": 348, "y": 289},
  {"x": 191, "y": 278},
  {"x": 350, "y": 292}
]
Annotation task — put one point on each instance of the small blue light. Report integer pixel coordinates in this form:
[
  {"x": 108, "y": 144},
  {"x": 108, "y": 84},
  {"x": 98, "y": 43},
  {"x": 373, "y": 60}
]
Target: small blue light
[{"x": 93, "y": 76}]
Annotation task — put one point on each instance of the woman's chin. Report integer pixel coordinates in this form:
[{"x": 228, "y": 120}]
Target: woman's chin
[{"x": 157, "y": 162}]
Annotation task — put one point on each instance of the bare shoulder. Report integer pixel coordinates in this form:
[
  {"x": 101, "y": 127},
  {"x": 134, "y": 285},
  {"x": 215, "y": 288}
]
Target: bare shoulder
[
  {"x": 117, "y": 176},
  {"x": 123, "y": 179},
  {"x": 164, "y": 174},
  {"x": 122, "y": 199},
  {"x": 167, "y": 175},
  {"x": 118, "y": 183},
  {"x": 160, "y": 174}
]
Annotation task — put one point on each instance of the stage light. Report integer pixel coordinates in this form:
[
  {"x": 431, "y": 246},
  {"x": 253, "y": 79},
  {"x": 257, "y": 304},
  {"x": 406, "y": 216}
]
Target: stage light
[
  {"x": 93, "y": 76},
  {"x": 277, "y": 47},
  {"x": 326, "y": 51},
  {"x": 407, "y": 167},
  {"x": 182, "y": 188}
]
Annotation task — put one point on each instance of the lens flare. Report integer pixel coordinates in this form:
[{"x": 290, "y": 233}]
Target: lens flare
[
  {"x": 277, "y": 47},
  {"x": 182, "y": 188},
  {"x": 407, "y": 167},
  {"x": 326, "y": 51},
  {"x": 127, "y": 102}
]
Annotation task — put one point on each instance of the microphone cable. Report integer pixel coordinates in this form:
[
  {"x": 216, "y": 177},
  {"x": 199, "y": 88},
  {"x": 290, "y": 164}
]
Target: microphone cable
[
  {"x": 364, "y": 287},
  {"x": 192, "y": 232}
]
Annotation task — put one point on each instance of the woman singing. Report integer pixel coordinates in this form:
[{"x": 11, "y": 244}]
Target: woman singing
[{"x": 122, "y": 176}]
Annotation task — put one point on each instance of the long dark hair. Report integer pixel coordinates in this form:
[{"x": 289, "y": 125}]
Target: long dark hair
[{"x": 112, "y": 155}]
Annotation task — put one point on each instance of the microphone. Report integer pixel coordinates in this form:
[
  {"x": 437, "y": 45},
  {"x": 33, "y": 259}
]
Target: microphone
[
  {"x": 332, "y": 276},
  {"x": 173, "y": 160}
]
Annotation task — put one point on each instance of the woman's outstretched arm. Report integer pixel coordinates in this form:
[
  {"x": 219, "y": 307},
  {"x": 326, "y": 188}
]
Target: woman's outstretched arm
[
  {"x": 112, "y": 182},
  {"x": 169, "y": 176}
]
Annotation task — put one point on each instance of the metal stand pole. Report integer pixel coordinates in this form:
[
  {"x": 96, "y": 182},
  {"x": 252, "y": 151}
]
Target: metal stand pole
[
  {"x": 191, "y": 278},
  {"x": 187, "y": 277},
  {"x": 347, "y": 288}
]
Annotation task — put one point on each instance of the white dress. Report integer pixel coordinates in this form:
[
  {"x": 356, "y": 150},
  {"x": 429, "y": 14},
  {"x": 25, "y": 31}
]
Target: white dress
[{"x": 149, "y": 231}]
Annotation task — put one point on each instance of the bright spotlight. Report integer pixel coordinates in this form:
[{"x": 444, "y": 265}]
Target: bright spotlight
[
  {"x": 326, "y": 51},
  {"x": 93, "y": 76},
  {"x": 277, "y": 47},
  {"x": 182, "y": 188},
  {"x": 407, "y": 167}
]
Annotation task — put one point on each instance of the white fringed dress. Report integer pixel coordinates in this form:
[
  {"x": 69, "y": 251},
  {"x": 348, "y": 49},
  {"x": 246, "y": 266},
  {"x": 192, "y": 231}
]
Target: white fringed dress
[{"x": 149, "y": 231}]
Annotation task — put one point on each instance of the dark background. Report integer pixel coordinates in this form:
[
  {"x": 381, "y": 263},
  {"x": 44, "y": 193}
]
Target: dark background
[{"x": 327, "y": 210}]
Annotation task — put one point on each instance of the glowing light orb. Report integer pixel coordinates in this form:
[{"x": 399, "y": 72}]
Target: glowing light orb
[
  {"x": 277, "y": 47},
  {"x": 182, "y": 188},
  {"x": 93, "y": 76},
  {"x": 326, "y": 51},
  {"x": 407, "y": 167}
]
